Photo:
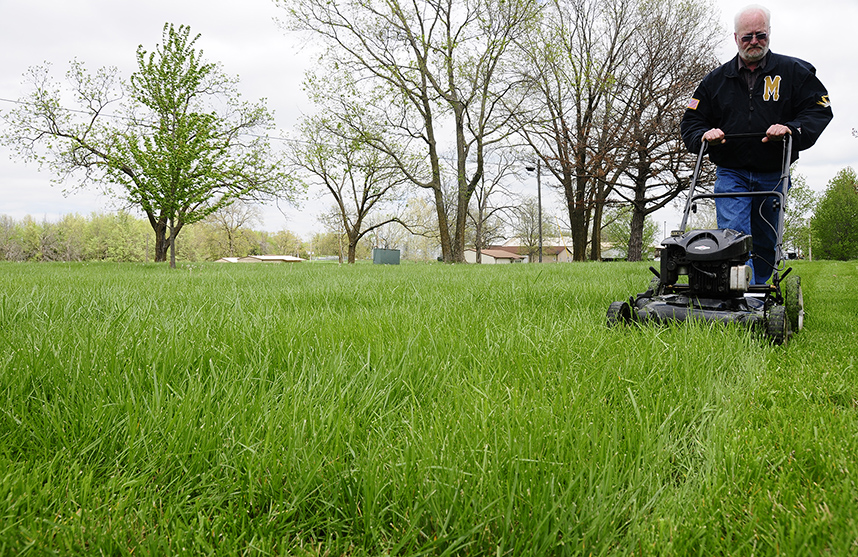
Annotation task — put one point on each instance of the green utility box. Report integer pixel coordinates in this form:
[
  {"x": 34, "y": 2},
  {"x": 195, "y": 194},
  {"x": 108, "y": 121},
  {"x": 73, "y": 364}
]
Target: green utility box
[{"x": 385, "y": 256}]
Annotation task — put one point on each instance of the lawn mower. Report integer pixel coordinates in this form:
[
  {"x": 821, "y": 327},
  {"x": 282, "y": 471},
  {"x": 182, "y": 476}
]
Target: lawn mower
[{"x": 704, "y": 274}]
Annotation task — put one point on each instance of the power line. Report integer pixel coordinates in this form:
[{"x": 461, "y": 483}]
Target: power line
[{"x": 120, "y": 117}]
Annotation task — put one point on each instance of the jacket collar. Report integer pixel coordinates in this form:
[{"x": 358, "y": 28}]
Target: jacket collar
[{"x": 733, "y": 65}]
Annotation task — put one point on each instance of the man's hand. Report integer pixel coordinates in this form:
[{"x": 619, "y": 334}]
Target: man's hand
[
  {"x": 714, "y": 136},
  {"x": 776, "y": 132}
]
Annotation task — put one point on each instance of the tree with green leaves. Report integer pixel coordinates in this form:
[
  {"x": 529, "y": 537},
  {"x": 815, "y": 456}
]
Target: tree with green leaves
[
  {"x": 176, "y": 142},
  {"x": 835, "y": 221},
  {"x": 800, "y": 204}
]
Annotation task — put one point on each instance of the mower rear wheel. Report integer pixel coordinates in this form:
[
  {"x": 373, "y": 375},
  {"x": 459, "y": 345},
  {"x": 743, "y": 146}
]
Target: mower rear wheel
[
  {"x": 794, "y": 302},
  {"x": 777, "y": 325},
  {"x": 619, "y": 313}
]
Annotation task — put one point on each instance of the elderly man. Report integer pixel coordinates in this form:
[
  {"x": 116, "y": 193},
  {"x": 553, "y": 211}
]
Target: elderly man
[{"x": 758, "y": 91}]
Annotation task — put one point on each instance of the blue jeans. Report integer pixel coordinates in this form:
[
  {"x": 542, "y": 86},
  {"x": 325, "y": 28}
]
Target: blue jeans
[{"x": 751, "y": 215}]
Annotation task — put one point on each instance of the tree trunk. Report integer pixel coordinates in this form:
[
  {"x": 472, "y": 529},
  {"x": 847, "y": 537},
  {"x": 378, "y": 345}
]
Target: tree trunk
[
  {"x": 443, "y": 226},
  {"x": 354, "y": 238},
  {"x": 165, "y": 245},
  {"x": 578, "y": 218},
  {"x": 463, "y": 191},
  {"x": 635, "y": 251},
  {"x": 596, "y": 237},
  {"x": 162, "y": 243},
  {"x": 172, "y": 245}
]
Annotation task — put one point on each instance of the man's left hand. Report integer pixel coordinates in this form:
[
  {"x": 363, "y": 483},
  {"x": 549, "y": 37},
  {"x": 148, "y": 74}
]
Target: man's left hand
[{"x": 776, "y": 132}]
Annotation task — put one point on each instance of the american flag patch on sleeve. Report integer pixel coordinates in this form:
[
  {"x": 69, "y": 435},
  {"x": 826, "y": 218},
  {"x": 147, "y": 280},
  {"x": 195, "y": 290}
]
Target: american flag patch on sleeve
[{"x": 692, "y": 104}]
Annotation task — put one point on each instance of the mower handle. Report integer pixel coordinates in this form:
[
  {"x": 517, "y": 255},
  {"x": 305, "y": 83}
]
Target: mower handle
[{"x": 786, "y": 162}]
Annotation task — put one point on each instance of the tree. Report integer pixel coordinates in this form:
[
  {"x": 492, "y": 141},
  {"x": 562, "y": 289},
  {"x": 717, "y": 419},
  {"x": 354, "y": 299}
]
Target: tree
[
  {"x": 618, "y": 231},
  {"x": 285, "y": 242},
  {"x": 607, "y": 81},
  {"x": 801, "y": 201},
  {"x": 8, "y": 245},
  {"x": 835, "y": 222},
  {"x": 427, "y": 66},
  {"x": 525, "y": 226},
  {"x": 362, "y": 180},
  {"x": 660, "y": 79},
  {"x": 487, "y": 216},
  {"x": 180, "y": 146},
  {"x": 423, "y": 243},
  {"x": 231, "y": 225},
  {"x": 569, "y": 67}
]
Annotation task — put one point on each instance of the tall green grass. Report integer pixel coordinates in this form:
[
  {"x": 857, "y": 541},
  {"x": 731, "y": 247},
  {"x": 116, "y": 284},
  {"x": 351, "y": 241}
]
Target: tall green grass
[{"x": 415, "y": 410}]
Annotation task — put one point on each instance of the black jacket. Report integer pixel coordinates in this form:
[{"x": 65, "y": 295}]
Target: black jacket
[{"x": 787, "y": 92}]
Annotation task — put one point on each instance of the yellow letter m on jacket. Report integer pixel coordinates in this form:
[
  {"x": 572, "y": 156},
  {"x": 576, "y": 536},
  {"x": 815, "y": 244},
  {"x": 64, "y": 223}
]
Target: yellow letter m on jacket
[{"x": 772, "y": 88}]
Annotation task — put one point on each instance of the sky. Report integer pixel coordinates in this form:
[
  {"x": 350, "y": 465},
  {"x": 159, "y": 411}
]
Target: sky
[{"x": 245, "y": 38}]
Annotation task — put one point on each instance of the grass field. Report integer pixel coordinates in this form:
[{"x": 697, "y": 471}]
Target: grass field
[{"x": 318, "y": 409}]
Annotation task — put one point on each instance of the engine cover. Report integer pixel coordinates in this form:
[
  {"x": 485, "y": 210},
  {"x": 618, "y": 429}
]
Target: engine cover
[{"x": 707, "y": 257}]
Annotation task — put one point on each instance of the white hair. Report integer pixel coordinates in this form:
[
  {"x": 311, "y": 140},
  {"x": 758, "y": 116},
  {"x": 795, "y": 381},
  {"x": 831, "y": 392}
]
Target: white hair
[{"x": 749, "y": 9}]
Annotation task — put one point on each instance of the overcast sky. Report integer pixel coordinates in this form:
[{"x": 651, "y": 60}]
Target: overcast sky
[{"x": 244, "y": 37}]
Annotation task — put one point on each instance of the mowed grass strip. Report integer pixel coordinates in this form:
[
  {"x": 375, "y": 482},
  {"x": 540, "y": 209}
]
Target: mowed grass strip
[{"x": 416, "y": 409}]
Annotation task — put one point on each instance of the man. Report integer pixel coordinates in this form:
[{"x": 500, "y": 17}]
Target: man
[{"x": 758, "y": 91}]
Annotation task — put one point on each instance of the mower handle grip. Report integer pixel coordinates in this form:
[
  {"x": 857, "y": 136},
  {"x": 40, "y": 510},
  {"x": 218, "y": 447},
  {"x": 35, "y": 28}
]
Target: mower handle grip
[
  {"x": 748, "y": 135},
  {"x": 787, "y": 161}
]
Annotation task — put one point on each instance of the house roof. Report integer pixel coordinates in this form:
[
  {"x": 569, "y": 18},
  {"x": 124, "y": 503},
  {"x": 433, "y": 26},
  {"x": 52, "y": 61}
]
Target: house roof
[
  {"x": 514, "y": 250},
  {"x": 499, "y": 253},
  {"x": 269, "y": 259},
  {"x": 546, "y": 241},
  {"x": 555, "y": 250}
]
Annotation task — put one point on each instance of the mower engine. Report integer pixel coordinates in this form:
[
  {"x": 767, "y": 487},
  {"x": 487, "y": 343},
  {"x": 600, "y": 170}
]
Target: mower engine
[{"x": 713, "y": 260}]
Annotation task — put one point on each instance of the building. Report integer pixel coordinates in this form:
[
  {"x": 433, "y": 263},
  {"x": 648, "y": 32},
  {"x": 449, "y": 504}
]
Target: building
[
  {"x": 261, "y": 259},
  {"x": 554, "y": 250},
  {"x": 493, "y": 256}
]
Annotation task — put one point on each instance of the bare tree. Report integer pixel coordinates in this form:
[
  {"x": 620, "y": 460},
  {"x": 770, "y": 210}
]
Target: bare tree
[
  {"x": 493, "y": 202},
  {"x": 525, "y": 226},
  {"x": 569, "y": 64},
  {"x": 232, "y": 220},
  {"x": 606, "y": 81},
  {"x": 422, "y": 242},
  {"x": 427, "y": 66},
  {"x": 661, "y": 77},
  {"x": 361, "y": 179}
]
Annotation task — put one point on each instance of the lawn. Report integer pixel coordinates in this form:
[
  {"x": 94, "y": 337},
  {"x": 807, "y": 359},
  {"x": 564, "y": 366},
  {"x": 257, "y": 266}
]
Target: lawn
[{"x": 420, "y": 409}]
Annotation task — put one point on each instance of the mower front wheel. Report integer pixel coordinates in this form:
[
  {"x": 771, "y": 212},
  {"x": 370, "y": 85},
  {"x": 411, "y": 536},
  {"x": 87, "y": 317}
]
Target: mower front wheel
[
  {"x": 777, "y": 325},
  {"x": 619, "y": 313},
  {"x": 794, "y": 302}
]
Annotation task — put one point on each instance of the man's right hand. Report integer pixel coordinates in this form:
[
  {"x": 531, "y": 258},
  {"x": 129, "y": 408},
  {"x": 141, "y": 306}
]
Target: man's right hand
[{"x": 714, "y": 136}]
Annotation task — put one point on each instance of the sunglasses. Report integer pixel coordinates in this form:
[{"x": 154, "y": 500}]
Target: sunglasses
[{"x": 750, "y": 37}]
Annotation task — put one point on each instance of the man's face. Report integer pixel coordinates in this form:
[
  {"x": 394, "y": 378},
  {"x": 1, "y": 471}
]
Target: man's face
[{"x": 751, "y": 26}]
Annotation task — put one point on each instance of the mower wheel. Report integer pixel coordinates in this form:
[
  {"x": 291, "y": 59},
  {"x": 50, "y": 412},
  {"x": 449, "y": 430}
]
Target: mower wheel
[
  {"x": 777, "y": 325},
  {"x": 794, "y": 302},
  {"x": 619, "y": 313}
]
